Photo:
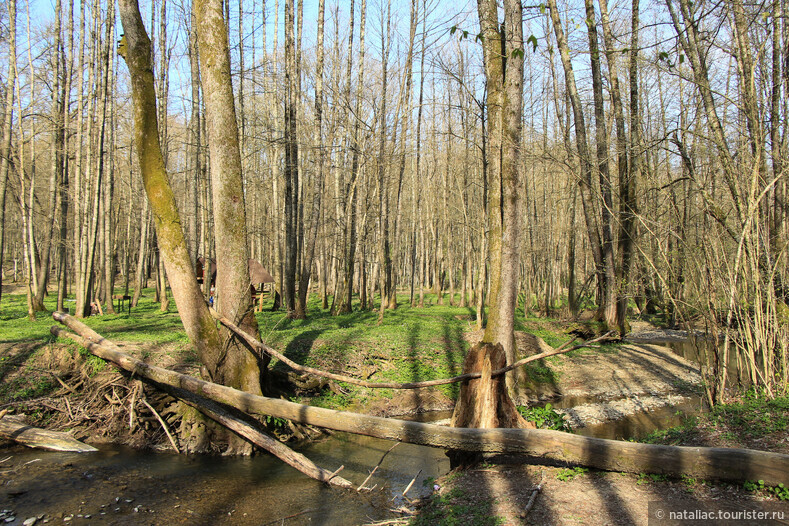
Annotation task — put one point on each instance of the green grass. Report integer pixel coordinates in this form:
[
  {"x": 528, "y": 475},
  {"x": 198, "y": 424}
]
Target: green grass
[
  {"x": 741, "y": 422},
  {"x": 568, "y": 474},
  {"x": 410, "y": 345},
  {"x": 146, "y": 323},
  {"x": 455, "y": 508}
]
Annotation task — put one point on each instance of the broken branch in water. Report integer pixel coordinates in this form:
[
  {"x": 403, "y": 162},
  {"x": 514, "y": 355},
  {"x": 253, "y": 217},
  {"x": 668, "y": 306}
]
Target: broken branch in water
[
  {"x": 179, "y": 383},
  {"x": 411, "y": 483},
  {"x": 361, "y": 486}
]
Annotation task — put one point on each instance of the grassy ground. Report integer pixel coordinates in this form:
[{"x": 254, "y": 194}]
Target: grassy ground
[
  {"x": 411, "y": 344},
  {"x": 750, "y": 422}
]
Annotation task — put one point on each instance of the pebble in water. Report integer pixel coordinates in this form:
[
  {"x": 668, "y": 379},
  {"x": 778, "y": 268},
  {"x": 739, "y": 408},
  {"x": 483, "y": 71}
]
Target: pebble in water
[{"x": 30, "y": 522}]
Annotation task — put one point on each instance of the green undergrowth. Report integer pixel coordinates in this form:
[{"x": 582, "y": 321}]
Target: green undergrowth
[
  {"x": 146, "y": 323},
  {"x": 545, "y": 417},
  {"x": 455, "y": 508},
  {"x": 754, "y": 421},
  {"x": 409, "y": 345}
]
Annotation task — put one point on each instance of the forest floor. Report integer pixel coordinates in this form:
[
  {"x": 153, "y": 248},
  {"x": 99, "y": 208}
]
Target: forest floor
[{"x": 62, "y": 388}]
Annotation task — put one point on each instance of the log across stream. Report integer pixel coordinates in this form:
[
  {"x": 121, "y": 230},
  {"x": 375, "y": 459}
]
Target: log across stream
[{"x": 543, "y": 445}]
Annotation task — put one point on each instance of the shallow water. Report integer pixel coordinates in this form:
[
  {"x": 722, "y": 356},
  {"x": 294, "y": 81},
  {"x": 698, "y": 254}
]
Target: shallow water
[
  {"x": 164, "y": 488},
  {"x": 124, "y": 486},
  {"x": 637, "y": 425}
]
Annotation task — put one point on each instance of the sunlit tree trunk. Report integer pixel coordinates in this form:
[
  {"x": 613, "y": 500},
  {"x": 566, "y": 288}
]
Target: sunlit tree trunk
[
  {"x": 192, "y": 308},
  {"x": 504, "y": 80},
  {"x": 315, "y": 210},
  {"x": 238, "y": 366},
  {"x": 7, "y": 122}
]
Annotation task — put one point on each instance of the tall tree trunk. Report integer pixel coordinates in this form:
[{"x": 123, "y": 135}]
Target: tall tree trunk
[
  {"x": 7, "y": 122},
  {"x": 237, "y": 367},
  {"x": 55, "y": 176},
  {"x": 315, "y": 211},
  {"x": 192, "y": 308},
  {"x": 504, "y": 80},
  {"x": 608, "y": 301},
  {"x": 585, "y": 181},
  {"x": 291, "y": 164}
]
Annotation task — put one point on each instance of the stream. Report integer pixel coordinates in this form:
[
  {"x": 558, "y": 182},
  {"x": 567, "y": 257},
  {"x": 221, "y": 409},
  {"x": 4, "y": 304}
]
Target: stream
[{"x": 123, "y": 486}]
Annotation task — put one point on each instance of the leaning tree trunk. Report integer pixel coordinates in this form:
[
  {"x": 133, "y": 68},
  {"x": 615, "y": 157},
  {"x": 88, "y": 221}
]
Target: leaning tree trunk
[{"x": 194, "y": 312}]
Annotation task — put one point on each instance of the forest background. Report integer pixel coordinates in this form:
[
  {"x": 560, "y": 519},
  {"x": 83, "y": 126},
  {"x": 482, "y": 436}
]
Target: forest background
[{"x": 650, "y": 177}]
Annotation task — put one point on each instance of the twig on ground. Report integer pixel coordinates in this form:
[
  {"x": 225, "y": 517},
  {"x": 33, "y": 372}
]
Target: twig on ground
[
  {"x": 283, "y": 519},
  {"x": 131, "y": 410},
  {"x": 68, "y": 407},
  {"x": 532, "y": 498}
]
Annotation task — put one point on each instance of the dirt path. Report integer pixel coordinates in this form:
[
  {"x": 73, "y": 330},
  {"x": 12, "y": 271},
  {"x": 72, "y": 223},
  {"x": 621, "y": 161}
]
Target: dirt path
[{"x": 589, "y": 497}]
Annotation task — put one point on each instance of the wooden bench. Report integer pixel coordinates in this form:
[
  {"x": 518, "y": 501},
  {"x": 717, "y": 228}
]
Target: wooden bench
[{"x": 122, "y": 299}]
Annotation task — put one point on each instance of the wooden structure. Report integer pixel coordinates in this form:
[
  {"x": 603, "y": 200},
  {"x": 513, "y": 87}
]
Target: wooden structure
[
  {"x": 200, "y": 272},
  {"x": 122, "y": 300},
  {"x": 259, "y": 279}
]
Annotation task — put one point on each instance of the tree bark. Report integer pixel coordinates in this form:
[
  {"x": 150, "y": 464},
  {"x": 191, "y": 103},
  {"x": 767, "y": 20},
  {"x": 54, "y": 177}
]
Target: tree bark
[
  {"x": 315, "y": 211},
  {"x": 8, "y": 119},
  {"x": 504, "y": 80},
  {"x": 236, "y": 366},
  {"x": 192, "y": 308}
]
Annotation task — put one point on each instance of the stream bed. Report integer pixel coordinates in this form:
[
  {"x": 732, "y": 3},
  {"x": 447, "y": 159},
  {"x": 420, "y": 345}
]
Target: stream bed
[
  {"x": 128, "y": 487},
  {"x": 123, "y": 486}
]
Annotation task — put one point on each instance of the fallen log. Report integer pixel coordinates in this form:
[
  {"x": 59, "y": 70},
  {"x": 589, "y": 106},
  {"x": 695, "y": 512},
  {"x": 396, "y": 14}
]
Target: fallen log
[
  {"x": 235, "y": 424},
  {"x": 261, "y": 439},
  {"x": 260, "y": 346},
  {"x": 555, "y": 446},
  {"x": 30, "y": 436}
]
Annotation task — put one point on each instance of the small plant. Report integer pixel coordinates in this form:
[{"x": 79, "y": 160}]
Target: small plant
[
  {"x": 545, "y": 417},
  {"x": 689, "y": 483},
  {"x": 569, "y": 474},
  {"x": 645, "y": 478},
  {"x": 780, "y": 491}
]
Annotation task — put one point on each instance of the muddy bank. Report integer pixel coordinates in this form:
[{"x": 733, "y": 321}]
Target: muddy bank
[{"x": 596, "y": 386}]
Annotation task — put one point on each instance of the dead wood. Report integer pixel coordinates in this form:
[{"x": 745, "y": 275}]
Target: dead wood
[
  {"x": 14, "y": 429},
  {"x": 484, "y": 401},
  {"x": 542, "y": 444},
  {"x": 211, "y": 410}
]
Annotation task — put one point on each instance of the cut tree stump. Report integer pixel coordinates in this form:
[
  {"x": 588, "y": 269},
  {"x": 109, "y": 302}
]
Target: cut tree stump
[
  {"x": 12, "y": 428},
  {"x": 483, "y": 402}
]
